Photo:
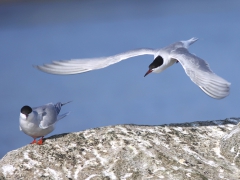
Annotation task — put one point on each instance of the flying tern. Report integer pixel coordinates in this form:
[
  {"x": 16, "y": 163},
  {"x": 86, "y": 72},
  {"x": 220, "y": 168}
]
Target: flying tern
[
  {"x": 40, "y": 121},
  {"x": 196, "y": 68}
]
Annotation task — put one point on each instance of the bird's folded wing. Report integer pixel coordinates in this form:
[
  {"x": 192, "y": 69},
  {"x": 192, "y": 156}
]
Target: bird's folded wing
[
  {"x": 76, "y": 66},
  {"x": 200, "y": 73},
  {"x": 47, "y": 115},
  {"x": 41, "y": 109},
  {"x": 47, "y": 121}
]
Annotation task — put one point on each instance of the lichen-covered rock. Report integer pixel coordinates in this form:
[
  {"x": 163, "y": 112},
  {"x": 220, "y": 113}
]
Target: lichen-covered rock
[
  {"x": 126, "y": 152},
  {"x": 230, "y": 146}
]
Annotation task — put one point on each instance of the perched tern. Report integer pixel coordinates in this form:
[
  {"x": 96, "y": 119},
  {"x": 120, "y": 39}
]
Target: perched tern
[
  {"x": 196, "y": 68},
  {"x": 40, "y": 121}
]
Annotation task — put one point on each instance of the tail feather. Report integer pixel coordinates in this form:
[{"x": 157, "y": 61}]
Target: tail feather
[
  {"x": 65, "y": 103},
  {"x": 192, "y": 40},
  {"x": 62, "y": 116},
  {"x": 187, "y": 43},
  {"x": 59, "y": 105}
]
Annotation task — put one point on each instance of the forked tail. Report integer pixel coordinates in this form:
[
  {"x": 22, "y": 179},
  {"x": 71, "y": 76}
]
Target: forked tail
[
  {"x": 192, "y": 40},
  {"x": 59, "y": 105},
  {"x": 62, "y": 116},
  {"x": 187, "y": 43}
]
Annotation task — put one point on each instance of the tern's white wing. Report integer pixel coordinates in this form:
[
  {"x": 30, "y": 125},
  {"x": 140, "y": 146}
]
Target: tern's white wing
[
  {"x": 76, "y": 66},
  {"x": 200, "y": 73}
]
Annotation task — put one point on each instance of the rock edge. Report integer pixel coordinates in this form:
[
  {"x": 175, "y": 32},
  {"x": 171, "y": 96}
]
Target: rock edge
[{"x": 196, "y": 150}]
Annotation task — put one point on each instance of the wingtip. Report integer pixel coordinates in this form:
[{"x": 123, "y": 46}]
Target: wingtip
[
  {"x": 35, "y": 66},
  {"x": 213, "y": 95},
  {"x": 44, "y": 68},
  {"x": 38, "y": 67}
]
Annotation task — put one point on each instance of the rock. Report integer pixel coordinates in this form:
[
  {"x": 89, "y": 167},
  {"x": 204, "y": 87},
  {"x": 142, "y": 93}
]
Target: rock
[
  {"x": 230, "y": 146},
  {"x": 198, "y": 150}
]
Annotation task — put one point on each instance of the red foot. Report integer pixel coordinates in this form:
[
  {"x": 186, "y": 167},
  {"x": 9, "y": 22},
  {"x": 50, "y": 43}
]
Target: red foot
[
  {"x": 34, "y": 141},
  {"x": 40, "y": 141}
]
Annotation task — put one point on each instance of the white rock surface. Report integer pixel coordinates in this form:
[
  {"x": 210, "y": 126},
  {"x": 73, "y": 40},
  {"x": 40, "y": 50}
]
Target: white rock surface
[{"x": 198, "y": 150}]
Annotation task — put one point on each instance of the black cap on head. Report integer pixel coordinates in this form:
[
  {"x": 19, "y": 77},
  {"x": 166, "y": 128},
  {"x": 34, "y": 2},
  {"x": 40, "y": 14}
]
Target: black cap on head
[
  {"x": 26, "y": 110},
  {"x": 158, "y": 61}
]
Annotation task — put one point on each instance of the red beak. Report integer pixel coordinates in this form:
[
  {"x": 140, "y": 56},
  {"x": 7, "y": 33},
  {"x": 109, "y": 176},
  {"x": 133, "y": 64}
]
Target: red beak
[{"x": 149, "y": 71}]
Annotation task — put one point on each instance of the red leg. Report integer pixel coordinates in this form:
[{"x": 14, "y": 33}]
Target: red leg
[
  {"x": 40, "y": 141},
  {"x": 34, "y": 141}
]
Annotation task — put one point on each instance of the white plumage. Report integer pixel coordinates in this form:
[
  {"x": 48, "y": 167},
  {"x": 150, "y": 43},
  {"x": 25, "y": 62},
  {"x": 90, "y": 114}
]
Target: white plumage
[
  {"x": 196, "y": 68},
  {"x": 40, "y": 121}
]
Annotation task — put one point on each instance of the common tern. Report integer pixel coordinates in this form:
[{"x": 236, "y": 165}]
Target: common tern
[
  {"x": 196, "y": 68},
  {"x": 40, "y": 121}
]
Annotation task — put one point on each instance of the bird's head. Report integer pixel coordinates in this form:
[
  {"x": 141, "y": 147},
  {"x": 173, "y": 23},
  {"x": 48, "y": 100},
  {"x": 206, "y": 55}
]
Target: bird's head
[
  {"x": 155, "y": 65},
  {"x": 25, "y": 111}
]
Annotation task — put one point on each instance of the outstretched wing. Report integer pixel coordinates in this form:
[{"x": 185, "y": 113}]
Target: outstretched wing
[
  {"x": 76, "y": 66},
  {"x": 200, "y": 73}
]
